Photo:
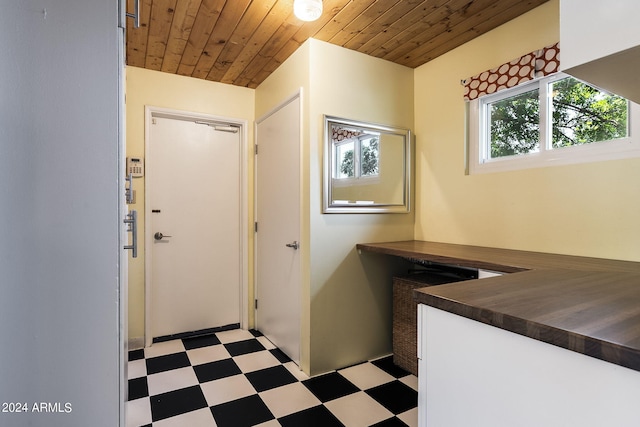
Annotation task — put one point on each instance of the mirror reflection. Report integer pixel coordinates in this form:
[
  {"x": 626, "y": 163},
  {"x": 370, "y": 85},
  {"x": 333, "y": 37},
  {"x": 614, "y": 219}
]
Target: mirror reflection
[{"x": 366, "y": 167}]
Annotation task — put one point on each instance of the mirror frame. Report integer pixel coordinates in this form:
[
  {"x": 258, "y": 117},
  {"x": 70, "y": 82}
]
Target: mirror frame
[{"x": 328, "y": 206}]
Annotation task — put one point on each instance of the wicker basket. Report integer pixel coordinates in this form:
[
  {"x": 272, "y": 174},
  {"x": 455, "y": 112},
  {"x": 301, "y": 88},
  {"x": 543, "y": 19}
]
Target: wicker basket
[{"x": 405, "y": 314}]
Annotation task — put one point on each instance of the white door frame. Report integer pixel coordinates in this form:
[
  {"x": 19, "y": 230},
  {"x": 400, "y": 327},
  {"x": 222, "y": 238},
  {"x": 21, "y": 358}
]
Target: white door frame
[{"x": 151, "y": 112}]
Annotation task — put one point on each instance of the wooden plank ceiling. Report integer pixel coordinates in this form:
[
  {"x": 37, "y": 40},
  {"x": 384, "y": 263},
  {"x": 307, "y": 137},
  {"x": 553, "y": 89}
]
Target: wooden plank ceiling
[{"x": 241, "y": 42}]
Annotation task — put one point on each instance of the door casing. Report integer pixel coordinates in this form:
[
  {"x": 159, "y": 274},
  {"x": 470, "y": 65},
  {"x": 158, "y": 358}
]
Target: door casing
[{"x": 150, "y": 113}]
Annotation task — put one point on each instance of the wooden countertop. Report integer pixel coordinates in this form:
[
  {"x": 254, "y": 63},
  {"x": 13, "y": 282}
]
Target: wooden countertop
[{"x": 587, "y": 305}]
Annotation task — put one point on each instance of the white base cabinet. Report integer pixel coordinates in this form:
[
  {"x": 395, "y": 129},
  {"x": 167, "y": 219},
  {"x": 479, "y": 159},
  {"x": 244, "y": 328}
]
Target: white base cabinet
[{"x": 472, "y": 374}]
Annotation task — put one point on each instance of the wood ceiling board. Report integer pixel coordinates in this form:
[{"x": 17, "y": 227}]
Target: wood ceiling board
[
  {"x": 208, "y": 16},
  {"x": 229, "y": 17},
  {"x": 260, "y": 37},
  {"x": 250, "y": 21},
  {"x": 137, "y": 39},
  {"x": 183, "y": 19},
  {"x": 381, "y": 25},
  {"x": 242, "y": 42},
  {"x": 466, "y": 31},
  {"x": 159, "y": 25},
  {"x": 383, "y": 43}
]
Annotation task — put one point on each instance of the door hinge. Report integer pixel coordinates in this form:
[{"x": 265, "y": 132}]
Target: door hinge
[
  {"x": 256, "y": 304},
  {"x": 255, "y": 227},
  {"x": 256, "y": 149}
]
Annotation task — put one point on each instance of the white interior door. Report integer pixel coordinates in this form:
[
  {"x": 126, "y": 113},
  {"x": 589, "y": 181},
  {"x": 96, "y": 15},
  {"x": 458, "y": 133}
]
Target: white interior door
[
  {"x": 278, "y": 217},
  {"x": 193, "y": 185}
]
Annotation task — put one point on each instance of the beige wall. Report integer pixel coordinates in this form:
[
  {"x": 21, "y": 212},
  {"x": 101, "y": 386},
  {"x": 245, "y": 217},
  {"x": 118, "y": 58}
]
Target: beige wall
[
  {"x": 156, "y": 89},
  {"x": 589, "y": 209},
  {"x": 290, "y": 78},
  {"x": 350, "y": 294},
  {"x": 346, "y": 300}
]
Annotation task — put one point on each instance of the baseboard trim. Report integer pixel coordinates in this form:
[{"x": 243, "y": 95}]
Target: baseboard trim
[
  {"x": 196, "y": 333},
  {"x": 136, "y": 343}
]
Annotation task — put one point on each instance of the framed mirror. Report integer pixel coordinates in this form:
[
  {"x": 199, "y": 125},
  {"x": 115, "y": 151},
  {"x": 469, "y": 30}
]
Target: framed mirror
[{"x": 367, "y": 167}]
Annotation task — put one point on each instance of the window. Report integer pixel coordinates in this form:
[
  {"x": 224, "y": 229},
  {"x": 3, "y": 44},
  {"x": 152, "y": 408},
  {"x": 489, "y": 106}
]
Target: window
[
  {"x": 357, "y": 157},
  {"x": 554, "y": 120}
]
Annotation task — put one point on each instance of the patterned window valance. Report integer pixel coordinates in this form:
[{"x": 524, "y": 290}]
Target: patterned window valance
[{"x": 538, "y": 63}]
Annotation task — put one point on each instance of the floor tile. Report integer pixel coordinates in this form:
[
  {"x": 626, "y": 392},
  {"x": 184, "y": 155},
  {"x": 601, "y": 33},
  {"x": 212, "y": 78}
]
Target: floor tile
[
  {"x": 279, "y": 354},
  {"x": 177, "y": 402},
  {"x": 136, "y": 368},
  {"x": 270, "y": 423},
  {"x": 296, "y": 371},
  {"x": 138, "y": 388},
  {"x": 244, "y": 412},
  {"x": 216, "y": 370},
  {"x": 234, "y": 335},
  {"x": 199, "y": 418},
  {"x": 163, "y": 348},
  {"x": 410, "y": 417},
  {"x": 288, "y": 399},
  {"x": 136, "y": 354},
  {"x": 239, "y": 378},
  {"x": 255, "y": 361},
  {"x": 391, "y": 422},
  {"x": 138, "y": 412},
  {"x": 395, "y": 396},
  {"x": 200, "y": 341},
  {"x": 243, "y": 347},
  {"x": 227, "y": 389},
  {"x": 266, "y": 379},
  {"x": 265, "y": 342},
  {"x": 167, "y": 362},
  {"x": 386, "y": 364},
  {"x": 200, "y": 356},
  {"x": 358, "y": 410},
  {"x": 411, "y": 381},
  {"x": 318, "y": 416},
  {"x": 366, "y": 375},
  {"x": 171, "y": 380},
  {"x": 330, "y": 386}
]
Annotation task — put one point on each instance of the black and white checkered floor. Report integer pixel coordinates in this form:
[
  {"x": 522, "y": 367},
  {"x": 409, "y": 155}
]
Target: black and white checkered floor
[{"x": 238, "y": 378}]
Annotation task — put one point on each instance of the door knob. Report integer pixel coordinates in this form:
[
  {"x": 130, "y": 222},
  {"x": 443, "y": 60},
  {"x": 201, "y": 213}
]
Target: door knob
[
  {"x": 159, "y": 236},
  {"x": 293, "y": 245}
]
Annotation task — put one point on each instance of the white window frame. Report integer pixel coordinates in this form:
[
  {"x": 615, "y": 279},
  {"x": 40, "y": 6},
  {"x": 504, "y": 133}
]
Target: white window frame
[
  {"x": 478, "y": 143},
  {"x": 357, "y": 177}
]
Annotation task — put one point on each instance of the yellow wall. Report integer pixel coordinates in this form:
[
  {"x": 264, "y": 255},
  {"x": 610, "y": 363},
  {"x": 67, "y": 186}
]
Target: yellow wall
[
  {"x": 588, "y": 209},
  {"x": 350, "y": 294},
  {"x": 152, "y": 88},
  {"x": 293, "y": 76},
  {"x": 346, "y": 300}
]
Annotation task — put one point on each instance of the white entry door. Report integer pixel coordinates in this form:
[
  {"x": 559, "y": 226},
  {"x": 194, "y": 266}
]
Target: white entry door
[
  {"x": 193, "y": 185},
  {"x": 278, "y": 236}
]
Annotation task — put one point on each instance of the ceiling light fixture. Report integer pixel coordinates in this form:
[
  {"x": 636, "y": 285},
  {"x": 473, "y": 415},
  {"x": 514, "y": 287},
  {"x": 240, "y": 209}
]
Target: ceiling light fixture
[{"x": 307, "y": 10}]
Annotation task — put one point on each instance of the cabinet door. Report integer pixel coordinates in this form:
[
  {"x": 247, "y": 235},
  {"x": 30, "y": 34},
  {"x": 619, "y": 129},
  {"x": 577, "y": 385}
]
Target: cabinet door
[{"x": 592, "y": 29}]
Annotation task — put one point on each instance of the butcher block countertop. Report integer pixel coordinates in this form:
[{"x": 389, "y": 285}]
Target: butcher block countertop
[{"x": 587, "y": 305}]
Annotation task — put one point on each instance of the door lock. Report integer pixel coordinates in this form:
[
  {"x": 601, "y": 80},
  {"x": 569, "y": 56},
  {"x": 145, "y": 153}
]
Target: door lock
[
  {"x": 293, "y": 245},
  {"x": 159, "y": 236}
]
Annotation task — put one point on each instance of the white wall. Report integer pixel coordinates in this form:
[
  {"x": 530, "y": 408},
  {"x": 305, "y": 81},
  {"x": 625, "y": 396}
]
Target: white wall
[{"x": 59, "y": 211}]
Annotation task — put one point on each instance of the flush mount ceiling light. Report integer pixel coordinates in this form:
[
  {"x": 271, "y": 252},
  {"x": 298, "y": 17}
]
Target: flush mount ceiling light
[{"x": 307, "y": 10}]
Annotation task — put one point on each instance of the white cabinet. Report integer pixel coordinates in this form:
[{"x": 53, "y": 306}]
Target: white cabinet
[
  {"x": 472, "y": 374},
  {"x": 593, "y": 29},
  {"x": 600, "y": 44},
  {"x": 59, "y": 214}
]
